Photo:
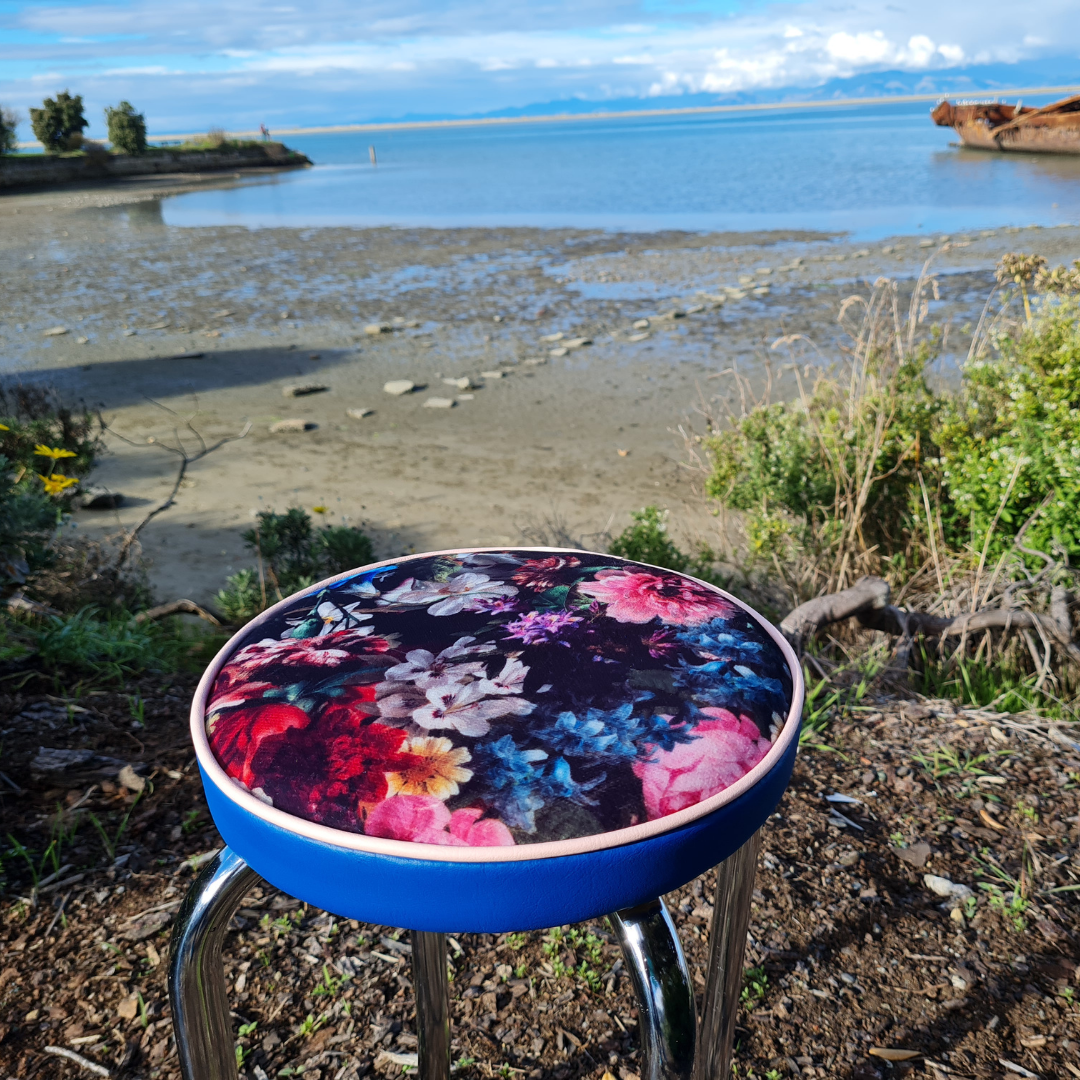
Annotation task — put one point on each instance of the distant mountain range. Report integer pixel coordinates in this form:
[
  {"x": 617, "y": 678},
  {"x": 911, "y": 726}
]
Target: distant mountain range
[{"x": 978, "y": 80}]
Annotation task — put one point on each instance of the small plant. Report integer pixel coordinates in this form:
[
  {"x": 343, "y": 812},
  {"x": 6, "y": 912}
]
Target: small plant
[
  {"x": 647, "y": 541},
  {"x": 521, "y": 970},
  {"x": 58, "y": 125},
  {"x": 310, "y": 1024},
  {"x": 516, "y": 941},
  {"x": 946, "y": 761},
  {"x": 111, "y": 843},
  {"x": 755, "y": 986},
  {"x": 331, "y": 985},
  {"x": 9, "y": 136},
  {"x": 127, "y": 128},
  {"x": 291, "y": 555}
]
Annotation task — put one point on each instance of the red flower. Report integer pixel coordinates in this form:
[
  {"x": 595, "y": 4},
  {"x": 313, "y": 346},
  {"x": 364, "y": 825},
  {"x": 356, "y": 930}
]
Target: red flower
[
  {"x": 334, "y": 770},
  {"x": 540, "y": 574},
  {"x": 725, "y": 749},
  {"x": 633, "y": 596},
  {"x": 236, "y": 735},
  {"x": 351, "y": 704}
]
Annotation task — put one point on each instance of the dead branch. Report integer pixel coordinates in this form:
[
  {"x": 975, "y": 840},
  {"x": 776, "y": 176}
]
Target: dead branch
[
  {"x": 177, "y": 607},
  {"x": 866, "y": 595},
  {"x": 186, "y": 458}
]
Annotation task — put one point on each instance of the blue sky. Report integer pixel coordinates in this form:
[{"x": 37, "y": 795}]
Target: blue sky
[{"x": 190, "y": 64}]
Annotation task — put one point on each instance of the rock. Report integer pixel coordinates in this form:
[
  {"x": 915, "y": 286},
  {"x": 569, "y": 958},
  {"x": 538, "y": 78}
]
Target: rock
[
  {"x": 464, "y": 383},
  {"x": 496, "y": 318},
  {"x": 128, "y": 1009},
  {"x": 763, "y": 271},
  {"x": 762, "y": 290},
  {"x": 637, "y": 337},
  {"x": 53, "y": 760},
  {"x": 374, "y": 329},
  {"x": 439, "y": 403},
  {"x": 82, "y": 341},
  {"x": 397, "y": 387},
  {"x": 577, "y": 342},
  {"x": 915, "y": 855},
  {"x": 304, "y": 389},
  {"x": 100, "y": 498},
  {"x": 54, "y": 331},
  {"x": 926, "y": 243},
  {"x": 494, "y": 374},
  {"x": 534, "y": 360},
  {"x": 147, "y": 925},
  {"x": 553, "y": 337},
  {"x": 560, "y": 351},
  {"x": 641, "y": 324},
  {"x": 693, "y": 309},
  {"x": 130, "y": 333},
  {"x": 862, "y": 253},
  {"x": 358, "y": 414},
  {"x": 283, "y": 426},
  {"x": 670, "y": 316},
  {"x": 746, "y": 279},
  {"x": 944, "y": 887}
]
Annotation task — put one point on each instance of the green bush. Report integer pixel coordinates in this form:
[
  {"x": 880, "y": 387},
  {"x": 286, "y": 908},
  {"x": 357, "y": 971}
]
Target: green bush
[
  {"x": 292, "y": 555},
  {"x": 1010, "y": 444},
  {"x": 647, "y": 541},
  {"x": 28, "y": 522},
  {"x": 58, "y": 125},
  {"x": 9, "y": 123},
  {"x": 127, "y": 128}
]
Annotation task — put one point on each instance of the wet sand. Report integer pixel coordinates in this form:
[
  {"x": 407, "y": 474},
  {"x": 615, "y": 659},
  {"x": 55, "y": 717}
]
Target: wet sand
[{"x": 581, "y": 438}]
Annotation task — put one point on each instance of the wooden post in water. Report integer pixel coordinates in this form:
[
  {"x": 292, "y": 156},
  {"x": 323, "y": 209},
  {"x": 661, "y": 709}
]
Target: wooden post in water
[{"x": 371, "y": 154}]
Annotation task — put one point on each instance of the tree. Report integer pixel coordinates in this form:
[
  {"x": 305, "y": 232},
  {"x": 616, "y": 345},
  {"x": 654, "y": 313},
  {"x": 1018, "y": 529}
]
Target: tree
[
  {"x": 127, "y": 128},
  {"x": 59, "y": 124},
  {"x": 9, "y": 121}
]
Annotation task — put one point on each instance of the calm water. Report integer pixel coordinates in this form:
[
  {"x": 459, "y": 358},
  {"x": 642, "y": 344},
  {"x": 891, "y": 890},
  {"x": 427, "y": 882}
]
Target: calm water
[{"x": 872, "y": 171}]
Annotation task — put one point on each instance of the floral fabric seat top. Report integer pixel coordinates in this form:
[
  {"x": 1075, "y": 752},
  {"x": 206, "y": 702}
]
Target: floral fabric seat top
[{"x": 491, "y": 698}]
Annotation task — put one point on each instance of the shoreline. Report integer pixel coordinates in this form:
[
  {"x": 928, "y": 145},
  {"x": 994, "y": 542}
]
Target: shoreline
[{"x": 545, "y": 438}]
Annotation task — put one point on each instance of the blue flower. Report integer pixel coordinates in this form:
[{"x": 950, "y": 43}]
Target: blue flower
[{"x": 513, "y": 778}]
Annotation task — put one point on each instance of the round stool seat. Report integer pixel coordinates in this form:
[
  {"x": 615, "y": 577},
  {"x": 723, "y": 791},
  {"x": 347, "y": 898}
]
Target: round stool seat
[{"x": 496, "y": 739}]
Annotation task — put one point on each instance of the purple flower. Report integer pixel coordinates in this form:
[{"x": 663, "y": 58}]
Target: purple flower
[
  {"x": 535, "y": 627},
  {"x": 661, "y": 644}
]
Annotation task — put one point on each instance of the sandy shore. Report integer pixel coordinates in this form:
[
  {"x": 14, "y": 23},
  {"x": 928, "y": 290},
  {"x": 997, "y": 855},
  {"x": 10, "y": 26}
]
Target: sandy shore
[{"x": 584, "y": 437}]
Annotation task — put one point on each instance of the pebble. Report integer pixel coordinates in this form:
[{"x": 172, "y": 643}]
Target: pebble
[
  {"x": 553, "y": 337},
  {"x": 694, "y": 309},
  {"x": 81, "y": 340},
  {"x": 374, "y": 329},
  {"x": 577, "y": 342},
  {"x": 130, "y": 333},
  {"x": 294, "y": 424},
  {"x": 397, "y": 387},
  {"x": 944, "y": 887},
  {"x": 494, "y": 374},
  {"x": 669, "y": 316},
  {"x": 533, "y": 360},
  {"x": 637, "y": 337},
  {"x": 762, "y": 290},
  {"x": 358, "y": 414},
  {"x": 54, "y": 331},
  {"x": 641, "y": 324},
  {"x": 561, "y": 351},
  {"x": 304, "y": 389},
  {"x": 926, "y": 243},
  {"x": 439, "y": 403},
  {"x": 464, "y": 383},
  {"x": 914, "y": 854},
  {"x": 746, "y": 279}
]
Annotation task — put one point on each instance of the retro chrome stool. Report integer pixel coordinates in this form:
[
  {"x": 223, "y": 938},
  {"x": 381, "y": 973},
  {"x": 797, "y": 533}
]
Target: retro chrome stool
[{"x": 490, "y": 741}]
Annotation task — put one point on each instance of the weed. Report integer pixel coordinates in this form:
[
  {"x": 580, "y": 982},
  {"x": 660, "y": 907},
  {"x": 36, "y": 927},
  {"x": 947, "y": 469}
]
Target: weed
[
  {"x": 946, "y": 761},
  {"x": 517, "y": 941},
  {"x": 137, "y": 709},
  {"x": 310, "y": 1024},
  {"x": 244, "y": 1030},
  {"x": 190, "y": 822},
  {"x": 755, "y": 985},
  {"x": 111, "y": 843},
  {"x": 647, "y": 541},
  {"x": 520, "y": 970},
  {"x": 330, "y": 986}
]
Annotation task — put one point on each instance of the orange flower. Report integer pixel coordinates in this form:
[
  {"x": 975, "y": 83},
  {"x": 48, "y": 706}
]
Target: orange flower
[{"x": 438, "y": 771}]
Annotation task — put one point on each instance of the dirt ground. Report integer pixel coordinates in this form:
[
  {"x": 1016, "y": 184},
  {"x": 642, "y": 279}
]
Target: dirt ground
[
  {"x": 215, "y": 323},
  {"x": 852, "y": 953}
]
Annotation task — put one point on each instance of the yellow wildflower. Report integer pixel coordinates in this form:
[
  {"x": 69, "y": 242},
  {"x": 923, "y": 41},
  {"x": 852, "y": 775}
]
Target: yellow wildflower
[
  {"x": 4, "y": 427},
  {"x": 438, "y": 774},
  {"x": 55, "y": 452},
  {"x": 57, "y": 482},
  {"x": 318, "y": 509}
]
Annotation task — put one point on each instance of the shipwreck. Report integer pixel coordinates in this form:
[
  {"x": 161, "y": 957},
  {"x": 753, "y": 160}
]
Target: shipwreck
[{"x": 1052, "y": 129}]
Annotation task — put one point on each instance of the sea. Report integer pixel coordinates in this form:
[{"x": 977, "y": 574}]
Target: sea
[{"x": 869, "y": 171}]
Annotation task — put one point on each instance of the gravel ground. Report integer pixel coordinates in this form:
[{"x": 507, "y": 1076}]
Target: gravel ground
[{"x": 854, "y": 962}]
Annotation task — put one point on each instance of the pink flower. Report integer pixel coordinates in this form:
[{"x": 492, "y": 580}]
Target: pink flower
[
  {"x": 423, "y": 819},
  {"x": 724, "y": 750},
  {"x": 633, "y": 596}
]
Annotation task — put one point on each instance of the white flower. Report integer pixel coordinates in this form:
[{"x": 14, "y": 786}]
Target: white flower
[
  {"x": 511, "y": 680},
  {"x": 465, "y": 709},
  {"x": 461, "y": 592},
  {"x": 341, "y": 618},
  {"x": 425, "y": 669}
]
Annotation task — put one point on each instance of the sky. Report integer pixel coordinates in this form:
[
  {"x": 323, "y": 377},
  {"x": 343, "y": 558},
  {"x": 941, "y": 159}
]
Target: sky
[{"x": 192, "y": 64}]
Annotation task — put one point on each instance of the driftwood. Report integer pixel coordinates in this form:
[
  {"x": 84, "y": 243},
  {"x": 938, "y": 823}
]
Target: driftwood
[
  {"x": 177, "y": 607},
  {"x": 868, "y": 601}
]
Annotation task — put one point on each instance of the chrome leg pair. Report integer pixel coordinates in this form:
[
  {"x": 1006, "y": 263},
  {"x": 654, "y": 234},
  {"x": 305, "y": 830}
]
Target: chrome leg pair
[{"x": 673, "y": 1045}]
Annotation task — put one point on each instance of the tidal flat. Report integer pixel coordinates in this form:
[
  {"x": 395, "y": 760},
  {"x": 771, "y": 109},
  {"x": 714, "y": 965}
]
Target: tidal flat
[{"x": 544, "y": 437}]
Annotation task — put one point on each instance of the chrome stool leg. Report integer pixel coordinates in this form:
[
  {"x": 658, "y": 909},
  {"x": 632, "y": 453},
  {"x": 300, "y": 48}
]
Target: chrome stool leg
[
  {"x": 727, "y": 941},
  {"x": 200, "y": 1003},
  {"x": 432, "y": 1004},
  {"x": 657, "y": 967}
]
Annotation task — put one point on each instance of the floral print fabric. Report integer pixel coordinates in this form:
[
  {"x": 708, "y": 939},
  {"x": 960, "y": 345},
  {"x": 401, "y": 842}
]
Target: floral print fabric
[{"x": 495, "y": 698}]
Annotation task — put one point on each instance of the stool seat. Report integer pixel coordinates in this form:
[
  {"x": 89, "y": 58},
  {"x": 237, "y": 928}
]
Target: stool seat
[{"x": 496, "y": 739}]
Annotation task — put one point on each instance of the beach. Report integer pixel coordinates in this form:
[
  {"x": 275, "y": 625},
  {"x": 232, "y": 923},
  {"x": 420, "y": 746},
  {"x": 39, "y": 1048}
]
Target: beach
[{"x": 549, "y": 439}]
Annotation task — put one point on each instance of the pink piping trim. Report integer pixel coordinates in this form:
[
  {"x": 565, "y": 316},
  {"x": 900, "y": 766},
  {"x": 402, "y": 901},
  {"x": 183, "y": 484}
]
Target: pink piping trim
[{"x": 405, "y": 849}]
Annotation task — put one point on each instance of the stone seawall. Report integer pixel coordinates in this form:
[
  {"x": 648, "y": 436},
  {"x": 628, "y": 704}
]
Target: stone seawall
[{"x": 47, "y": 170}]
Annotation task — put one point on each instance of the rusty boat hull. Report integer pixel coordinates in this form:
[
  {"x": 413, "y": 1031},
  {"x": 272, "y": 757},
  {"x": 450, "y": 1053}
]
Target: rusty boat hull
[{"x": 1052, "y": 129}]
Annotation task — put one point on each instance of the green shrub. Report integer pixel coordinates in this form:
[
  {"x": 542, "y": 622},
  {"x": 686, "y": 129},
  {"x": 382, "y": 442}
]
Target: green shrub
[
  {"x": 127, "y": 128},
  {"x": 58, "y": 125},
  {"x": 9, "y": 124},
  {"x": 647, "y": 541},
  {"x": 28, "y": 522},
  {"x": 292, "y": 555},
  {"x": 1010, "y": 443}
]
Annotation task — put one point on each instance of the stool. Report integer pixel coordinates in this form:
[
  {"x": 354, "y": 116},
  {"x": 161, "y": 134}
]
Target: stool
[{"x": 494, "y": 740}]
